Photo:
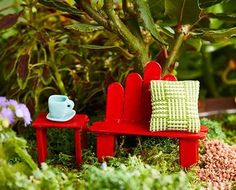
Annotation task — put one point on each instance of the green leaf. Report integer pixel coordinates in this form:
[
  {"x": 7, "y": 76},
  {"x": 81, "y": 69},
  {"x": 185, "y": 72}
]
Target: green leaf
[
  {"x": 9, "y": 69},
  {"x": 157, "y": 8},
  {"x": 22, "y": 152},
  {"x": 8, "y": 20},
  {"x": 195, "y": 43},
  {"x": 145, "y": 15},
  {"x": 189, "y": 74},
  {"x": 133, "y": 24},
  {"x": 211, "y": 47},
  {"x": 61, "y": 6},
  {"x": 96, "y": 47},
  {"x": 208, "y": 3},
  {"x": 219, "y": 35},
  {"x": 97, "y": 4},
  {"x": 23, "y": 70},
  {"x": 183, "y": 11},
  {"x": 46, "y": 75},
  {"x": 223, "y": 16},
  {"x": 84, "y": 27}
]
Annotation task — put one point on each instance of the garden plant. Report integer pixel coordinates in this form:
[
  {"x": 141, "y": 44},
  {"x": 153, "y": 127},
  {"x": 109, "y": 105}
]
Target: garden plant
[{"x": 77, "y": 48}]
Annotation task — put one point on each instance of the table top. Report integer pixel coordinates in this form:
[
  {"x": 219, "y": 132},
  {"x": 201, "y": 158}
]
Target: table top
[{"x": 77, "y": 122}]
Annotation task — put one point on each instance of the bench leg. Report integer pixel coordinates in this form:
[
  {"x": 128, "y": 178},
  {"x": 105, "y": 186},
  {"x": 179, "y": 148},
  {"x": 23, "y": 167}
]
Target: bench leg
[
  {"x": 41, "y": 140},
  {"x": 78, "y": 151},
  {"x": 188, "y": 150},
  {"x": 105, "y": 146}
]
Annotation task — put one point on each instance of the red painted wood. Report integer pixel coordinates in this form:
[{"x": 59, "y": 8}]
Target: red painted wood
[
  {"x": 169, "y": 77},
  {"x": 115, "y": 102},
  {"x": 132, "y": 102},
  {"x": 105, "y": 146},
  {"x": 78, "y": 123},
  {"x": 42, "y": 152},
  {"x": 188, "y": 150},
  {"x": 152, "y": 71},
  {"x": 204, "y": 129},
  {"x": 118, "y": 124},
  {"x": 78, "y": 151},
  {"x": 45, "y": 142},
  {"x": 140, "y": 129}
]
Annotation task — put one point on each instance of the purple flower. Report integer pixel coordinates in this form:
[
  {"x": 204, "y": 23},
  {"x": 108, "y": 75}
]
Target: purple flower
[
  {"x": 11, "y": 110},
  {"x": 7, "y": 113},
  {"x": 23, "y": 112},
  {"x": 3, "y": 101},
  {"x": 13, "y": 103}
]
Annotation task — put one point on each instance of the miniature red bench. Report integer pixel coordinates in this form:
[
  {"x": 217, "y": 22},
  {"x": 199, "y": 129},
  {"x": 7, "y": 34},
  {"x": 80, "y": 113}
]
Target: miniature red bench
[{"x": 128, "y": 112}]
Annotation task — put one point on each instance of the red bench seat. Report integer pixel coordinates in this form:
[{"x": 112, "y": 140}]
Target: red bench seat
[{"x": 140, "y": 129}]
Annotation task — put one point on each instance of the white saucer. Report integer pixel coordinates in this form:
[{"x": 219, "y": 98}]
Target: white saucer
[{"x": 66, "y": 118}]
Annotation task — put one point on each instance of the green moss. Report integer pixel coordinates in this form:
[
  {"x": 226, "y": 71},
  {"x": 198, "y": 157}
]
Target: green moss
[
  {"x": 133, "y": 174},
  {"x": 214, "y": 129}
]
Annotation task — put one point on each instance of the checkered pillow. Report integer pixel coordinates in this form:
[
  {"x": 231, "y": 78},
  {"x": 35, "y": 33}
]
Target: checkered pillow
[{"x": 175, "y": 106}]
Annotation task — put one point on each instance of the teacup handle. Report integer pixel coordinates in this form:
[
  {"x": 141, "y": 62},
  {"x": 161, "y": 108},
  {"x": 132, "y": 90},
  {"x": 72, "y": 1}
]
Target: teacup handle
[{"x": 70, "y": 104}]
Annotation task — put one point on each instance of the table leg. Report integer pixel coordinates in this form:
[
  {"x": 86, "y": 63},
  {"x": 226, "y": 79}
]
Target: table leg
[
  {"x": 78, "y": 153},
  {"x": 45, "y": 142},
  {"x": 41, "y": 140}
]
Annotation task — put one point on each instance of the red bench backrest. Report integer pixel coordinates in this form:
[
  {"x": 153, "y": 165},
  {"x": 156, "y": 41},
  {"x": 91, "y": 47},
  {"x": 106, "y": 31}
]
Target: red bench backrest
[{"x": 133, "y": 103}]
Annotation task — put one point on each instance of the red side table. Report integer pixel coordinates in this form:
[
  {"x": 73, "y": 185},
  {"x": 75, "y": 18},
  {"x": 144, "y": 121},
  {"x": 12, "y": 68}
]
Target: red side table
[{"x": 79, "y": 123}]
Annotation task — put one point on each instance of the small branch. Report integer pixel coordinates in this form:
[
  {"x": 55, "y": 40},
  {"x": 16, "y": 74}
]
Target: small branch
[
  {"x": 225, "y": 77},
  {"x": 170, "y": 63},
  {"x": 94, "y": 14},
  {"x": 202, "y": 15},
  {"x": 174, "y": 51},
  {"x": 132, "y": 20},
  {"x": 120, "y": 26},
  {"x": 124, "y": 32},
  {"x": 127, "y": 8},
  {"x": 181, "y": 13}
]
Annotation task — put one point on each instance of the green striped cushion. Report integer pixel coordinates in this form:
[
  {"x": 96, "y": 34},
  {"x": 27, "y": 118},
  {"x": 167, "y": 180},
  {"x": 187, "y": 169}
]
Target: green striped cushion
[{"x": 175, "y": 106}]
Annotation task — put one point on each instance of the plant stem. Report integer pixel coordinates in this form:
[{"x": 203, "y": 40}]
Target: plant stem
[
  {"x": 119, "y": 25},
  {"x": 94, "y": 14},
  {"x": 131, "y": 21},
  {"x": 225, "y": 77},
  {"x": 174, "y": 52},
  {"x": 124, "y": 32},
  {"x": 21, "y": 151}
]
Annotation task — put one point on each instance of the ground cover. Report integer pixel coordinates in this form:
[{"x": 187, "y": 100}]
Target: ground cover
[{"x": 140, "y": 163}]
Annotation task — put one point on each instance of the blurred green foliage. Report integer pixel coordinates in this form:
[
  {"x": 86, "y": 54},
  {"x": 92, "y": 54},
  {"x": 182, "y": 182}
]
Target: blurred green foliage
[
  {"x": 13, "y": 151},
  {"x": 215, "y": 129},
  {"x": 78, "y": 47},
  {"x": 19, "y": 171},
  {"x": 45, "y": 58},
  {"x": 44, "y": 178},
  {"x": 133, "y": 174},
  {"x": 153, "y": 165}
]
